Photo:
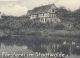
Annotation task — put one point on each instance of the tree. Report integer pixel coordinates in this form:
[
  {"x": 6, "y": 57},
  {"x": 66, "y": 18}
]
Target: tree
[
  {"x": 59, "y": 26},
  {"x": 63, "y": 14}
]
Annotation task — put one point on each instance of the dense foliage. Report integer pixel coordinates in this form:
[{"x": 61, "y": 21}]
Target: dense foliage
[{"x": 34, "y": 34}]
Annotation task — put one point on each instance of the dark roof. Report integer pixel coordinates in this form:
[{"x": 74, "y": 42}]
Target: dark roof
[{"x": 41, "y": 9}]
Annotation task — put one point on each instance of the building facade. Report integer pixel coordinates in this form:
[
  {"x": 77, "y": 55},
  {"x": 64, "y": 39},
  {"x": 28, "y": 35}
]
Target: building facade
[{"x": 44, "y": 13}]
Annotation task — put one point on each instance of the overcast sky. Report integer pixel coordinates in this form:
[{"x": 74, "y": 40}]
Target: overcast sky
[{"x": 20, "y": 7}]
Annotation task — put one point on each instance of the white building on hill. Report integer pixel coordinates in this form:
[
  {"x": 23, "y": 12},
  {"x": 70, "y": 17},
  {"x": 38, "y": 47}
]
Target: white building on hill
[{"x": 44, "y": 13}]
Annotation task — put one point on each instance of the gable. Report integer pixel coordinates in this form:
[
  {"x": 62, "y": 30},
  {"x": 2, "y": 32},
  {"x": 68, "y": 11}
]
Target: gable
[{"x": 52, "y": 9}]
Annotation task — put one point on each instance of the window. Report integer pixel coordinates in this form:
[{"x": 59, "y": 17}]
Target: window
[
  {"x": 46, "y": 15},
  {"x": 42, "y": 19},
  {"x": 41, "y": 15},
  {"x": 53, "y": 10}
]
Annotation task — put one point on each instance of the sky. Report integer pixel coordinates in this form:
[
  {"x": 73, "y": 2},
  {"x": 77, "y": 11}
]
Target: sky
[{"x": 20, "y": 7}]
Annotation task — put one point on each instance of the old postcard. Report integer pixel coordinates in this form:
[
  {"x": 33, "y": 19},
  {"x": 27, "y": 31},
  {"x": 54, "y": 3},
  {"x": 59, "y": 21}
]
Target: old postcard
[{"x": 39, "y": 28}]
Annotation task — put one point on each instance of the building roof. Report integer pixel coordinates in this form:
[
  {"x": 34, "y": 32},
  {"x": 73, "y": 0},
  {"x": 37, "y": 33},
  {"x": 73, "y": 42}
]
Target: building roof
[{"x": 41, "y": 9}]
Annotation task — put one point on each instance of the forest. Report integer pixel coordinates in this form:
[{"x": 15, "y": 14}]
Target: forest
[{"x": 22, "y": 31}]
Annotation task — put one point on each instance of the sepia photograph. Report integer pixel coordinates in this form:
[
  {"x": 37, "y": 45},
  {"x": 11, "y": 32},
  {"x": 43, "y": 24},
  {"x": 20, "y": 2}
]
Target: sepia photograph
[{"x": 39, "y": 28}]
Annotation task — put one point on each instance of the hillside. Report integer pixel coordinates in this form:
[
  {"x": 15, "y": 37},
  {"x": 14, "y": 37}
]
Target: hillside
[
  {"x": 40, "y": 36},
  {"x": 20, "y": 25}
]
